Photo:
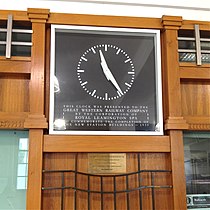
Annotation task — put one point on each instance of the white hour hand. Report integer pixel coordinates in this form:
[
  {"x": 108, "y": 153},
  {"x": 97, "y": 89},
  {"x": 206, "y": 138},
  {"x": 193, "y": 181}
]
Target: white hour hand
[{"x": 108, "y": 73}]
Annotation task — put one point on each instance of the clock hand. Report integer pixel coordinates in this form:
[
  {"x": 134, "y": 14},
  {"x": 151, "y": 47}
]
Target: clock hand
[{"x": 108, "y": 73}]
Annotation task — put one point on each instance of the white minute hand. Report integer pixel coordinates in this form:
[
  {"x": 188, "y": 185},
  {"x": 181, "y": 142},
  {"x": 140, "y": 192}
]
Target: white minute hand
[{"x": 108, "y": 73}]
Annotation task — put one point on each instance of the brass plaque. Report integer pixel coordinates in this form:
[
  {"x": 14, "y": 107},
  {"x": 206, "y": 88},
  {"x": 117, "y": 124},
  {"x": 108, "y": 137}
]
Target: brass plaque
[{"x": 106, "y": 163}]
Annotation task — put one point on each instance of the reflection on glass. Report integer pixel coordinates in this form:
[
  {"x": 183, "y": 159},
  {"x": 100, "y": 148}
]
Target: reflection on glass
[
  {"x": 3, "y": 36},
  {"x": 21, "y": 37},
  {"x": 187, "y": 45},
  {"x": 18, "y": 50},
  {"x": 197, "y": 169},
  {"x": 187, "y": 57},
  {"x": 13, "y": 169},
  {"x": 2, "y": 50},
  {"x": 205, "y": 45},
  {"x": 205, "y": 58},
  {"x": 56, "y": 85}
]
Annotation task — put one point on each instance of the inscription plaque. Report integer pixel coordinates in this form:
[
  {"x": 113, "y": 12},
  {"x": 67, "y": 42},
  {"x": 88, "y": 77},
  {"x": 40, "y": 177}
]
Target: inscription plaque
[{"x": 107, "y": 163}]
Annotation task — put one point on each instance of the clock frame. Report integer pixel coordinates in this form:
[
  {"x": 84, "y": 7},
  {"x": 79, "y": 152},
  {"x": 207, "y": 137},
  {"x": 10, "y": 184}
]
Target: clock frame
[{"x": 105, "y": 81}]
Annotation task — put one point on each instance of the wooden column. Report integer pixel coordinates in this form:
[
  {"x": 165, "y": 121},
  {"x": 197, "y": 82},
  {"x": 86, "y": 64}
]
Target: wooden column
[
  {"x": 36, "y": 120},
  {"x": 174, "y": 121}
]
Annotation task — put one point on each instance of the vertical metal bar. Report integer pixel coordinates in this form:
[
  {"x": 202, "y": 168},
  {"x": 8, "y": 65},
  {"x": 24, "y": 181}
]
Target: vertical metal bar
[
  {"x": 153, "y": 191},
  {"x": 139, "y": 176},
  {"x": 88, "y": 192},
  {"x": 102, "y": 194},
  {"x": 115, "y": 198},
  {"x": 127, "y": 188},
  {"x": 62, "y": 191},
  {"x": 198, "y": 44},
  {"x": 9, "y": 37},
  {"x": 75, "y": 183}
]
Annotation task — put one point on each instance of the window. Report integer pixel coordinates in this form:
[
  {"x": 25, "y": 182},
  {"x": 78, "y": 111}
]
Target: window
[
  {"x": 13, "y": 169},
  {"x": 194, "y": 46},
  {"x": 22, "y": 169},
  {"x": 197, "y": 169}
]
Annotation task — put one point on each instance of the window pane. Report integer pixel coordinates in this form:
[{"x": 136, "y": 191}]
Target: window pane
[
  {"x": 22, "y": 168},
  {"x": 187, "y": 57},
  {"x": 197, "y": 169},
  {"x": 22, "y": 157},
  {"x": 21, "y": 183},
  {"x": 205, "y": 58},
  {"x": 23, "y": 144},
  {"x": 12, "y": 187}
]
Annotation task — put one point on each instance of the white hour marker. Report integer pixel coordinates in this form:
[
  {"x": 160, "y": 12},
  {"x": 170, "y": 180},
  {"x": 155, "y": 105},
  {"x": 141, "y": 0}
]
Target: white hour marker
[
  {"x": 93, "y": 50},
  {"x": 84, "y": 59},
  {"x": 106, "y": 96},
  {"x": 80, "y": 71},
  {"x": 118, "y": 51},
  {"x": 131, "y": 72},
  {"x": 126, "y": 61},
  {"x": 84, "y": 83},
  {"x": 93, "y": 93},
  {"x": 127, "y": 84},
  {"x": 105, "y": 47}
]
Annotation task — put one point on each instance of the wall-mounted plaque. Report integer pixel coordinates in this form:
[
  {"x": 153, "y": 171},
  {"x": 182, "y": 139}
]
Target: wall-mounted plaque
[
  {"x": 105, "y": 81},
  {"x": 106, "y": 163}
]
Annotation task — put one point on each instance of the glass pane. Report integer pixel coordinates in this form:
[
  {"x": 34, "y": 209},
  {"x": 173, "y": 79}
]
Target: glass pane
[
  {"x": 22, "y": 157},
  {"x": 3, "y": 36},
  {"x": 190, "y": 45},
  {"x": 2, "y": 50},
  {"x": 23, "y": 144},
  {"x": 205, "y": 45},
  {"x": 21, "y": 37},
  {"x": 21, "y": 50},
  {"x": 22, "y": 169},
  {"x": 21, "y": 183},
  {"x": 11, "y": 197},
  {"x": 197, "y": 169},
  {"x": 205, "y": 58},
  {"x": 187, "y": 57}
]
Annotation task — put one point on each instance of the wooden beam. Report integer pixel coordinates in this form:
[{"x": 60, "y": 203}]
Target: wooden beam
[
  {"x": 103, "y": 20},
  {"x": 192, "y": 71},
  {"x": 18, "y": 67},
  {"x": 174, "y": 122},
  {"x": 57, "y": 143}
]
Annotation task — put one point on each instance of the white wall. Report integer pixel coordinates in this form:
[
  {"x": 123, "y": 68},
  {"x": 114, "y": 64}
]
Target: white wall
[{"x": 188, "y": 9}]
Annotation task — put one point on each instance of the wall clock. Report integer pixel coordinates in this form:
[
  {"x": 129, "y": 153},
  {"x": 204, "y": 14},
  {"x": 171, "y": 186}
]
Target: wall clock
[
  {"x": 114, "y": 68},
  {"x": 105, "y": 81}
]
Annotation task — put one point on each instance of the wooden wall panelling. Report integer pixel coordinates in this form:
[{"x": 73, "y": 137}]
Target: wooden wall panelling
[
  {"x": 36, "y": 121},
  {"x": 157, "y": 161},
  {"x": 14, "y": 83},
  {"x": 195, "y": 87},
  {"x": 174, "y": 119},
  {"x": 14, "y": 91},
  {"x": 196, "y": 103},
  {"x": 148, "y": 161},
  {"x": 196, "y": 98}
]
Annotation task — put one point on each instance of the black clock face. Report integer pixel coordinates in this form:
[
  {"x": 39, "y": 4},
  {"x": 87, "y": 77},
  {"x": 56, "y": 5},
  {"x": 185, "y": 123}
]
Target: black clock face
[{"x": 105, "y": 72}]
